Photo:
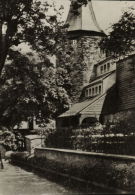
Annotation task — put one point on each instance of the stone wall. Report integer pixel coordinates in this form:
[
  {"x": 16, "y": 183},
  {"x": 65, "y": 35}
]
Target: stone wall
[{"x": 117, "y": 171}]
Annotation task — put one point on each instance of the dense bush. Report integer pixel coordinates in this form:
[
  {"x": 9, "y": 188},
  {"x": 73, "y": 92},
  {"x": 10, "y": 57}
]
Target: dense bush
[
  {"x": 118, "y": 138},
  {"x": 12, "y": 140}
]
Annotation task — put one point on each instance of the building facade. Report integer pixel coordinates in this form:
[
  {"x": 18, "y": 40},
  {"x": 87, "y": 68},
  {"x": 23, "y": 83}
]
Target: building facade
[
  {"x": 84, "y": 36},
  {"x": 125, "y": 81},
  {"x": 107, "y": 87}
]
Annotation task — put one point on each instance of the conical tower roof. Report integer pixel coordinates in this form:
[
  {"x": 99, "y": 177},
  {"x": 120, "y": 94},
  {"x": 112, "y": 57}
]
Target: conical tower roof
[{"x": 83, "y": 23}]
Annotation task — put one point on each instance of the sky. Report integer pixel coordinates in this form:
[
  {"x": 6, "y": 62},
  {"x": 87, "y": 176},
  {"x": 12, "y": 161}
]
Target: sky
[{"x": 106, "y": 12}]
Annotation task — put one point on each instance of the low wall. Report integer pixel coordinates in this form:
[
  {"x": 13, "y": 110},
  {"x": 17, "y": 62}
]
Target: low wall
[{"x": 117, "y": 171}]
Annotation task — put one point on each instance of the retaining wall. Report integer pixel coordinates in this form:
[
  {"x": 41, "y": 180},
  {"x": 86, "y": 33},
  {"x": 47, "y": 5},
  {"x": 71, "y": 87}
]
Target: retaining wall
[{"x": 117, "y": 171}]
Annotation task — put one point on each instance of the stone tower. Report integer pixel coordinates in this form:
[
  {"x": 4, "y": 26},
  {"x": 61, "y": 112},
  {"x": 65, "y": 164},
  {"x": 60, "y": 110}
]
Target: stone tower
[{"x": 84, "y": 34}]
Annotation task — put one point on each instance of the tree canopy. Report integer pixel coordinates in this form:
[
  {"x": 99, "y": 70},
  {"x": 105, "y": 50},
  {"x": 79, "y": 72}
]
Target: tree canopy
[
  {"x": 27, "y": 21},
  {"x": 121, "y": 40},
  {"x": 30, "y": 91}
]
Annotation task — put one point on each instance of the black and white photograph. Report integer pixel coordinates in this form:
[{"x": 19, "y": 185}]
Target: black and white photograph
[{"x": 67, "y": 97}]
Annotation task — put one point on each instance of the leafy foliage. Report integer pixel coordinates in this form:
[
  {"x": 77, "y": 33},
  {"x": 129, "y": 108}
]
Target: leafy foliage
[
  {"x": 32, "y": 89},
  {"x": 11, "y": 141},
  {"x": 29, "y": 90},
  {"x": 28, "y": 21},
  {"x": 121, "y": 39},
  {"x": 12, "y": 18},
  {"x": 24, "y": 92}
]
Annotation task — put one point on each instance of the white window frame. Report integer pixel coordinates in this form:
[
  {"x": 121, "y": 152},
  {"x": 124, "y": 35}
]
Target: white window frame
[{"x": 94, "y": 90}]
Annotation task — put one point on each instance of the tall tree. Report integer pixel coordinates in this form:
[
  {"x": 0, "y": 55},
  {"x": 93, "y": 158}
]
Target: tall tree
[
  {"x": 12, "y": 17},
  {"x": 121, "y": 40},
  {"x": 30, "y": 91},
  {"x": 21, "y": 21},
  {"x": 24, "y": 92}
]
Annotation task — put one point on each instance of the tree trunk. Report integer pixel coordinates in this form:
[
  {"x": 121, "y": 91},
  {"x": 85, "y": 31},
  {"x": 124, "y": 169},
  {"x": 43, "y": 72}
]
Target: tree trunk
[
  {"x": 3, "y": 48},
  {"x": 3, "y": 52}
]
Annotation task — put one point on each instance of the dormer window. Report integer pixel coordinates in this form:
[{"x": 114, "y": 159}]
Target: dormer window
[
  {"x": 93, "y": 90},
  {"x": 104, "y": 68}
]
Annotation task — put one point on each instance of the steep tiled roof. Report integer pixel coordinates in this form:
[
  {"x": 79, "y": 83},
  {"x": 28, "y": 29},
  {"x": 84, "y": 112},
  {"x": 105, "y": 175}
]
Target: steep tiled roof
[
  {"x": 80, "y": 107},
  {"x": 101, "y": 104},
  {"x": 96, "y": 107},
  {"x": 85, "y": 20}
]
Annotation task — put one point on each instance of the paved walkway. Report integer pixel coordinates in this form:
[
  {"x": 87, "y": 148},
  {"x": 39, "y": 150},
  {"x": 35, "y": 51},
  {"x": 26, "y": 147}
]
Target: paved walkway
[{"x": 17, "y": 181}]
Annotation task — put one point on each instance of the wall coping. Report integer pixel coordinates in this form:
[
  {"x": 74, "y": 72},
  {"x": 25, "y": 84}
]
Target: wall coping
[{"x": 90, "y": 154}]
